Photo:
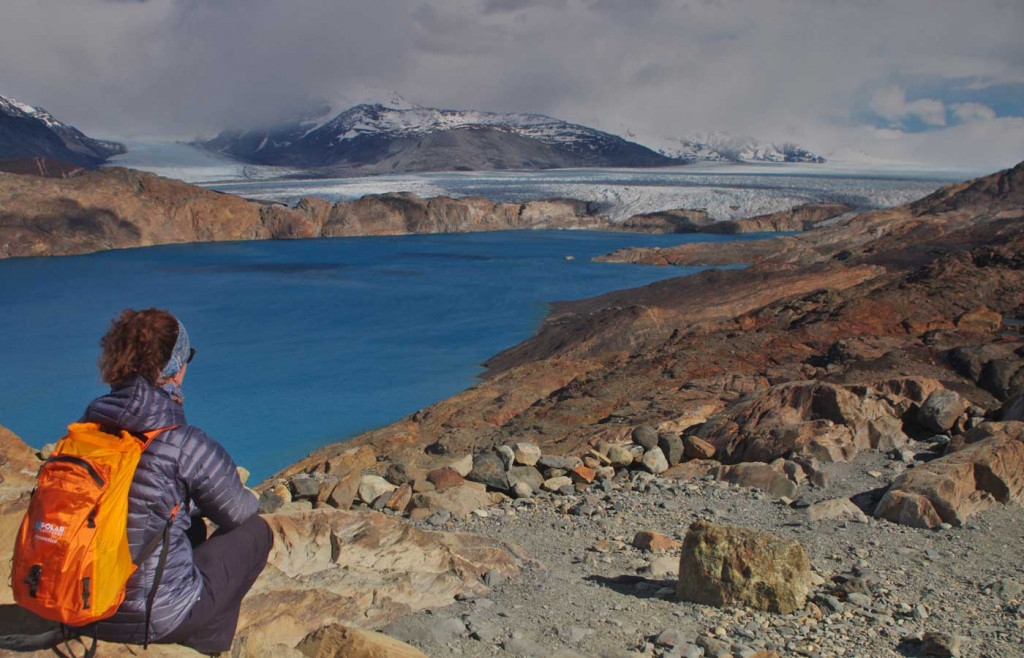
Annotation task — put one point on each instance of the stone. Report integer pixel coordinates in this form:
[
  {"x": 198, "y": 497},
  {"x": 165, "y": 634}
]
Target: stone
[
  {"x": 506, "y": 454},
  {"x": 519, "y": 643},
  {"x": 526, "y": 454},
  {"x": 485, "y": 631},
  {"x": 654, "y": 461},
  {"x": 522, "y": 490},
  {"x": 652, "y": 542},
  {"x": 525, "y": 474},
  {"x": 619, "y": 456},
  {"x": 398, "y": 474},
  {"x": 562, "y": 463},
  {"x": 985, "y": 468},
  {"x": 715, "y": 648},
  {"x": 858, "y": 599},
  {"x": 604, "y": 473},
  {"x": 345, "y": 491},
  {"x": 339, "y": 641},
  {"x": 463, "y": 465},
  {"x": 670, "y": 637},
  {"x": 459, "y": 502},
  {"x": 722, "y": 565},
  {"x": 271, "y": 500},
  {"x": 304, "y": 487},
  {"x": 555, "y": 484},
  {"x": 835, "y": 508},
  {"x": 371, "y": 487},
  {"x": 943, "y": 645},
  {"x": 489, "y": 469},
  {"x": 671, "y": 446},
  {"x": 940, "y": 411},
  {"x": 645, "y": 436},
  {"x": 400, "y": 498},
  {"x": 663, "y": 568},
  {"x": 444, "y": 478},
  {"x": 243, "y": 472},
  {"x": 582, "y": 474},
  {"x": 695, "y": 447},
  {"x": 759, "y": 476}
]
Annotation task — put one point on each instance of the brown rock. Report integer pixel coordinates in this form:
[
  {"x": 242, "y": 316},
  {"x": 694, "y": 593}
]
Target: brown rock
[
  {"x": 345, "y": 491},
  {"x": 723, "y": 565},
  {"x": 692, "y": 469},
  {"x": 652, "y": 542},
  {"x": 400, "y": 498},
  {"x": 459, "y": 501},
  {"x": 695, "y": 447},
  {"x": 444, "y": 478},
  {"x": 18, "y": 466},
  {"x": 582, "y": 474},
  {"x": 339, "y": 641},
  {"x": 952, "y": 488},
  {"x": 759, "y": 476},
  {"x": 981, "y": 319}
]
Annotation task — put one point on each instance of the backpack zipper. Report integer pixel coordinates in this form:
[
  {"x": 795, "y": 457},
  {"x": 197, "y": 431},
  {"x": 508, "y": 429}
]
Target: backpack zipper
[{"x": 81, "y": 462}]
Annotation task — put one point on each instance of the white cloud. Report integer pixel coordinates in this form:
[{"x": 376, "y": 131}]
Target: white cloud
[
  {"x": 967, "y": 112},
  {"x": 891, "y": 103}
]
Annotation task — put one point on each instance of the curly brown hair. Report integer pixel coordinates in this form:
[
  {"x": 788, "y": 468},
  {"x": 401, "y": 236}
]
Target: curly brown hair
[{"x": 138, "y": 343}]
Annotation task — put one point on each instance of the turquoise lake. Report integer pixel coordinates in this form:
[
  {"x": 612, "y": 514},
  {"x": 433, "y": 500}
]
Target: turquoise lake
[{"x": 299, "y": 343}]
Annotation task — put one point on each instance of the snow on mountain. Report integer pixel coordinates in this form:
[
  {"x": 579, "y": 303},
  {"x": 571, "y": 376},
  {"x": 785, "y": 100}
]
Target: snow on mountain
[
  {"x": 391, "y": 134},
  {"x": 30, "y": 131},
  {"x": 724, "y": 147}
]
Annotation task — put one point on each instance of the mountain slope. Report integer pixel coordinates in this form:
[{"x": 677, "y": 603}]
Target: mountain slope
[
  {"x": 718, "y": 146},
  {"x": 378, "y": 137},
  {"x": 30, "y": 132}
]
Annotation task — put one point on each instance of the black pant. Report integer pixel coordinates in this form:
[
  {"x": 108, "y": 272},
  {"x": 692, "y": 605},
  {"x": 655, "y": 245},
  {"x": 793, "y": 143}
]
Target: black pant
[{"x": 230, "y": 561}]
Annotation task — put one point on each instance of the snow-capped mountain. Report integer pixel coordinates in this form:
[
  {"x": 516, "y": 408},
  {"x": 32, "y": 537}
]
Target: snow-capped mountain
[
  {"x": 394, "y": 135},
  {"x": 27, "y": 131},
  {"x": 727, "y": 148}
]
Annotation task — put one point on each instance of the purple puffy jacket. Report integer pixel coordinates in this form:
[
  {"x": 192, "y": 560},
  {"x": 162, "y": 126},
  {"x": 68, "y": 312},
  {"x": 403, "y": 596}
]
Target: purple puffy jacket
[{"x": 181, "y": 465}]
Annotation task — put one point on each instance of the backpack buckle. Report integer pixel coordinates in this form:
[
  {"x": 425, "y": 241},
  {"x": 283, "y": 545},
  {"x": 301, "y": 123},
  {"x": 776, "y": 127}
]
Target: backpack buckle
[{"x": 32, "y": 579}]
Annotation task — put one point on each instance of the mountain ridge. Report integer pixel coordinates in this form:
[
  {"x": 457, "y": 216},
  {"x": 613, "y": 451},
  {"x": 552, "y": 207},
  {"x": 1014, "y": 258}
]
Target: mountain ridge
[
  {"x": 28, "y": 131},
  {"x": 378, "y": 138}
]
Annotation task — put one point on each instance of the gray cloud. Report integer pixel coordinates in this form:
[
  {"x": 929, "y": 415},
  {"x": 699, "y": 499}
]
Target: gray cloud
[{"x": 779, "y": 69}]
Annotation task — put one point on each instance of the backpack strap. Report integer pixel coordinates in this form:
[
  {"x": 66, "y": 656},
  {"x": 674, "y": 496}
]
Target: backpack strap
[{"x": 165, "y": 539}]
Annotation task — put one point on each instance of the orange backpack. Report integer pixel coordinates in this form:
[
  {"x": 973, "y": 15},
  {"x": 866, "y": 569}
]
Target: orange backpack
[{"x": 71, "y": 557}]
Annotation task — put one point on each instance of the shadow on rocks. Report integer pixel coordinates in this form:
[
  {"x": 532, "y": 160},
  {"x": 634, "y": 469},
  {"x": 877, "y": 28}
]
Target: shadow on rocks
[
  {"x": 638, "y": 586},
  {"x": 867, "y": 501}
]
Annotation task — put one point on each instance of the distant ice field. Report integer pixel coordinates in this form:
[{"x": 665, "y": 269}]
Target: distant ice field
[{"x": 726, "y": 191}]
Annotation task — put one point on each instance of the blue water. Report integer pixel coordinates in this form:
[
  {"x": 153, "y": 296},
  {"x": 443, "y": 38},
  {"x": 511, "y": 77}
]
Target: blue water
[{"x": 299, "y": 343}]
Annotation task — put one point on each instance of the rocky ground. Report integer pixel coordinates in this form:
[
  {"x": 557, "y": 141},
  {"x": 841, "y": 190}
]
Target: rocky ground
[{"x": 587, "y": 591}]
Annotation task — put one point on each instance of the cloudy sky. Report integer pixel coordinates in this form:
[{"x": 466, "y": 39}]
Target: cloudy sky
[{"x": 937, "y": 81}]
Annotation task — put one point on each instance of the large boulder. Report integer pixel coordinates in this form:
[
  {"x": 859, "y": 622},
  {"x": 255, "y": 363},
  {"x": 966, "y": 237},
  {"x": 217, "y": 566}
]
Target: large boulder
[
  {"x": 986, "y": 468},
  {"x": 723, "y": 565}
]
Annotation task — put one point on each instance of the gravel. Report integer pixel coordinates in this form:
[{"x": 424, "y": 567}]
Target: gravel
[{"x": 586, "y": 591}]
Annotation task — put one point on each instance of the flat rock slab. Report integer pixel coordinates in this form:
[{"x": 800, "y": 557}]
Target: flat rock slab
[
  {"x": 722, "y": 565},
  {"x": 334, "y": 566}
]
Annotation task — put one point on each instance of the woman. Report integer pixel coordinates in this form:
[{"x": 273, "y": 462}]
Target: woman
[{"x": 145, "y": 355}]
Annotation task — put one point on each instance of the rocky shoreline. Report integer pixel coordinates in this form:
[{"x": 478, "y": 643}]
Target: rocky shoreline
[{"x": 854, "y": 398}]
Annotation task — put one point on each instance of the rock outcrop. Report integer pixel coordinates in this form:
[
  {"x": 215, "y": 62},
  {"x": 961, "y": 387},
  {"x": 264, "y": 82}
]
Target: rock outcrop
[
  {"x": 120, "y": 208},
  {"x": 799, "y": 218}
]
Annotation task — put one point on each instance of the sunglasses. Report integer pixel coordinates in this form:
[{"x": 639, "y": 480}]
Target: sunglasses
[{"x": 191, "y": 355}]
